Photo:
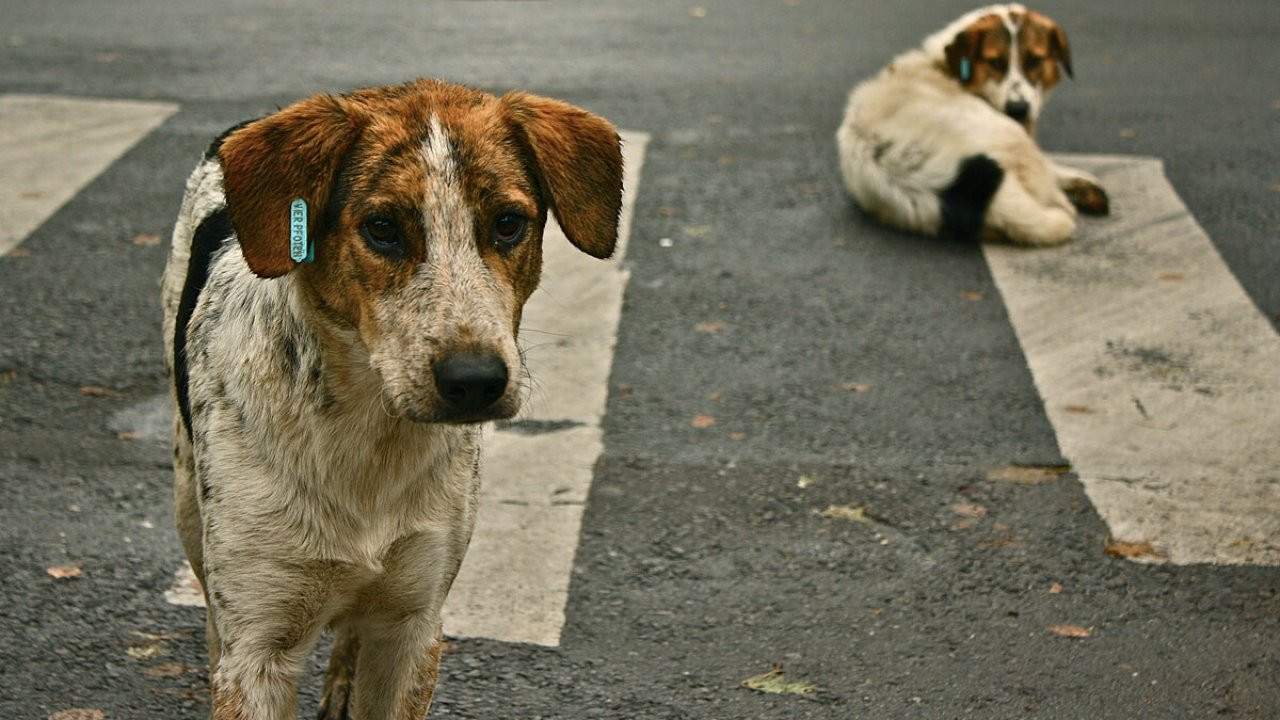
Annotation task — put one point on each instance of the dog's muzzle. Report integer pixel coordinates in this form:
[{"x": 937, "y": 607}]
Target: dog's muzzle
[
  {"x": 1018, "y": 110},
  {"x": 471, "y": 383}
]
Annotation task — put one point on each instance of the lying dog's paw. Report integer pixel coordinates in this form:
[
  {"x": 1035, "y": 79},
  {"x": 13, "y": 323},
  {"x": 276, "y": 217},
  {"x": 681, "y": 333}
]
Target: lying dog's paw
[{"x": 1088, "y": 197}]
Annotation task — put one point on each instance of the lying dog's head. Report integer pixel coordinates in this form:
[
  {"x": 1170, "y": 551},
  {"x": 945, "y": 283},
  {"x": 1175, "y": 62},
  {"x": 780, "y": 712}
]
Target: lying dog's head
[
  {"x": 426, "y": 202},
  {"x": 1009, "y": 56}
]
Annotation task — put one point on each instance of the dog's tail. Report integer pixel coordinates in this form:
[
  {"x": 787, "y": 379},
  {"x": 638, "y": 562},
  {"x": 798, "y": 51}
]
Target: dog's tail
[{"x": 965, "y": 201}]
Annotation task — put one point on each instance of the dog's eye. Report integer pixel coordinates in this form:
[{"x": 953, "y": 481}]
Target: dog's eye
[
  {"x": 382, "y": 233},
  {"x": 1031, "y": 62},
  {"x": 508, "y": 229},
  {"x": 999, "y": 64}
]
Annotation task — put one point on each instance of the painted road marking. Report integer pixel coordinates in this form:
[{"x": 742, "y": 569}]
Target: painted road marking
[
  {"x": 537, "y": 471},
  {"x": 51, "y": 147},
  {"x": 1160, "y": 376},
  {"x": 515, "y": 579}
]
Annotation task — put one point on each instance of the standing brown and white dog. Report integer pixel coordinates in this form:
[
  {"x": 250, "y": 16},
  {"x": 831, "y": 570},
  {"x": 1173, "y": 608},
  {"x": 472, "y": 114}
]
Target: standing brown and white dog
[
  {"x": 341, "y": 306},
  {"x": 942, "y": 140}
]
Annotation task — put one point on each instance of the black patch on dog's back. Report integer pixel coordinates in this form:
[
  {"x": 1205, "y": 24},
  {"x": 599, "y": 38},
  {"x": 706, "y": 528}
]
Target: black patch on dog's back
[
  {"x": 212, "y": 151},
  {"x": 212, "y": 232},
  {"x": 965, "y": 201}
]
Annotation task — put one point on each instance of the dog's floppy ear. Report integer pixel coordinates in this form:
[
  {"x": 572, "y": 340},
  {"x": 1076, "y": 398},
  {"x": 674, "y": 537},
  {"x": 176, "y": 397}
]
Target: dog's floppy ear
[
  {"x": 579, "y": 159},
  {"x": 1059, "y": 48},
  {"x": 268, "y": 163},
  {"x": 962, "y": 54}
]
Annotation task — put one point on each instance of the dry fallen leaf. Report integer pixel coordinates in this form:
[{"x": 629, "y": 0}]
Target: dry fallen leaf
[
  {"x": 9, "y": 376},
  {"x": 846, "y": 512},
  {"x": 1127, "y": 133},
  {"x": 1027, "y": 474},
  {"x": 805, "y": 481},
  {"x": 78, "y": 714},
  {"x": 1055, "y": 589},
  {"x": 702, "y": 421},
  {"x": 168, "y": 670},
  {"x": 971, "y": 295},
  {"x": 1070, "y": 631},
  {"x": 146, "y": 239},
  {"x": 716, "y": 396},
  {"x": 737, "y": 435},
  {"x": 710, "y": 328},
  {"x": 98, "y": 391},
  {"x": 64, "y": 571},
  {"x": 1170, "y": 276},
  {"x": 665, "y": 211},
  {"x": 128, "y": 435},
  {"x": 19, "y": 252},
  {"x": 964, "y": 508},
  {"x": 153, "y": 646},
  {"x": 1079, "y": 409},
  {"x": 1132, "y": 550},
  {"x": 142, "y": 652},
  {"x": 855, "y": 387},
  {"x": 773, "y": 682}
]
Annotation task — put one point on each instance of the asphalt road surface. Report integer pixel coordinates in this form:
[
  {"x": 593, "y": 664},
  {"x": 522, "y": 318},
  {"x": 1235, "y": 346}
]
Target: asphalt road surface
[{"x": 823, "y": 447}]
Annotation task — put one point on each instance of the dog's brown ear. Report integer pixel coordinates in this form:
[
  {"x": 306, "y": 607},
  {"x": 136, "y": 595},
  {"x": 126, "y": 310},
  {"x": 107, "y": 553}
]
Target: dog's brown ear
[
  {"x": 268, "y": 163},
  {"x": 962, "y": 54},
  {"x": 1059, "y": 48},
  {"x": 579, "y": 157}
]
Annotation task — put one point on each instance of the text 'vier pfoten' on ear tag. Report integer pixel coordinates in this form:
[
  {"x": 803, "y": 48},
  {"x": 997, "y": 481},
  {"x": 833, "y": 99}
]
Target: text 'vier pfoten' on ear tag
[{"x": 300, "y": 247}]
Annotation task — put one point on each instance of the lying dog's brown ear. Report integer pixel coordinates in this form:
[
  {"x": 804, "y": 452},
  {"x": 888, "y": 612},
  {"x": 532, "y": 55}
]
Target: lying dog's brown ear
[
  {"x": 579, "y": 158},
  {"x": 964, "y": 53},
  {"x": 1059, "y": 48},
  {"x": 269, "y": 163}
]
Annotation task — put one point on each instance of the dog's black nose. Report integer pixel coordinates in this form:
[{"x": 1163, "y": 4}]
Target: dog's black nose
[
  {"x": 1017, "y": 109},
  {"x": 471, "y": 381}
]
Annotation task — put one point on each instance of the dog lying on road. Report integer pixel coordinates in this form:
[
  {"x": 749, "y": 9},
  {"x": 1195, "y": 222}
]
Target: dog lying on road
[
  {"x": 942, "y": 140},
  {"x": 341, "y": 305}
]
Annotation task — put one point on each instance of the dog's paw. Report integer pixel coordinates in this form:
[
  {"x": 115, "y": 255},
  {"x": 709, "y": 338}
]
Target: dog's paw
[
  {"x": 335, "y": 703},
  {"x": 1088, "y": 197}
]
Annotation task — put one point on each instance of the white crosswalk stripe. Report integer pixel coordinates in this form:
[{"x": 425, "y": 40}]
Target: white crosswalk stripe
[
  {"x": 1160, "y": 376},
  {"x": 51, "y": 147}
]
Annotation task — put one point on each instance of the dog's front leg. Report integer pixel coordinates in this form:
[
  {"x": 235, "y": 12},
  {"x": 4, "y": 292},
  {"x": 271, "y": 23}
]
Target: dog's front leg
[
  {"x": 268, "y": 615},
  {"x": 397, "y": 667}
]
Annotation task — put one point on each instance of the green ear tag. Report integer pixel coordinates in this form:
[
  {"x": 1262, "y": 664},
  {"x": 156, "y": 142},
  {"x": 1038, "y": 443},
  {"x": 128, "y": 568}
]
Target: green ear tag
[
  {"x": 965, "y": 70},
  {"x": 300, "y": 246}
]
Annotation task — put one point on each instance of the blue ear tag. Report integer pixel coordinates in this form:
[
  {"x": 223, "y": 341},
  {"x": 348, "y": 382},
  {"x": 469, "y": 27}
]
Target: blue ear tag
[
  {"x": 300, "y": 247},
  {"x": 965, "y": 70}
]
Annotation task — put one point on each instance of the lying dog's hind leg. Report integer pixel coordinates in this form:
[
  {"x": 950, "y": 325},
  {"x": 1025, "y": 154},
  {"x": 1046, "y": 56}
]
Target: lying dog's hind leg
[
  {"x": 1020, "y": 218},
  {"x": 335, "y": 703}
]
